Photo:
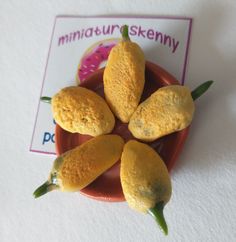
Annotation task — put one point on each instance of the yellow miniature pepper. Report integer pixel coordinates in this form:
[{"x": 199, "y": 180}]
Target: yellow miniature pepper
[
  {"x": 80, "y": 110},
  {"x": 78, "y": 167},
  {"x": 145, "y": 180},
  {"x": 167, "y": 110},
  {"x": 124, "y": 77}
]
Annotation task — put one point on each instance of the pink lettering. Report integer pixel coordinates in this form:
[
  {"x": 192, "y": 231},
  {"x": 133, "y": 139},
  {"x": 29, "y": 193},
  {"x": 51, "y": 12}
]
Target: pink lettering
[
  {"x": 159, "y": 35},
  {"x": 106, "y": 29},
  {"x": 75, "y": 35},
  {"x": 175, "y": 45},
  {"x": 167, "y": 38},
  {"x": 63, "y": 39},
  {"x": 89, "y": 32},
  {"x": 141, "y": 32},
  {"x": 133, "y": 30},
  {"x": 113, "y": 27},
  {"x": 150, "y": 34},
  {"x": 82, "y": 34}
]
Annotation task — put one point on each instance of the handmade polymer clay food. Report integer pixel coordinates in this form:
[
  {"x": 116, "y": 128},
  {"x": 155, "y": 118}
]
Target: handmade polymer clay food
[
  {"x": 124, "y": 77},
  {"x": 166, "y": 111},
  {"x": 78, "y": 167},
  {"x": 145, "y": 180},
  {"x": 80, "y": 110},
  {"x": 144, "y": 176}
]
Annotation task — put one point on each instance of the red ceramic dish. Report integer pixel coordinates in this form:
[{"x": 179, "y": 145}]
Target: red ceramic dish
[{"x": 107, "y": 187}]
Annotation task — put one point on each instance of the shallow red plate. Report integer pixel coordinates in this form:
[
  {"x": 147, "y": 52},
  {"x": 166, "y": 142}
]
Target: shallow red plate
[{"x": 107, "y": 187}]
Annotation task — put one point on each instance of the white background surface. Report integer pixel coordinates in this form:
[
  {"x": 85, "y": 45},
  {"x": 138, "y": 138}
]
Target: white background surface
[{"x": 203, "y": 205}]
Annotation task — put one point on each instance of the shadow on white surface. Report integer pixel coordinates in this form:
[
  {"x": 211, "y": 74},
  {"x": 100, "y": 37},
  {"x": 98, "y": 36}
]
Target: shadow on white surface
[{"x": 211, "y": 143}]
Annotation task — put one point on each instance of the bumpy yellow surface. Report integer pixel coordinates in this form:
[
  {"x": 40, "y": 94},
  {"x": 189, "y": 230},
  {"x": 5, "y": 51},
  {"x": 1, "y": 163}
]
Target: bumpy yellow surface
[
  {"x": 82, "y": 165},
  {"x": 124, "y": 79},
  {"x": 79, "y": 110},
  {"x": 169, "y": 109},
  {"x": 144, "y": 177}
]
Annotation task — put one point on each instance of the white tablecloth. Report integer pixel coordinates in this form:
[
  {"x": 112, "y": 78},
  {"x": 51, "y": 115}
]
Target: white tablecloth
[{"x": 203, "y": 205}]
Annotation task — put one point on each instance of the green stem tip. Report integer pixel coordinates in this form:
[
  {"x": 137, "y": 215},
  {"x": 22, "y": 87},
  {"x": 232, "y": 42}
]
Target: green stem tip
[
  {"x": 46, "y": 99},
  {"x": 157, "y": 213},
  {"x": 196, "y": 93},
  {"x": 125, "y": 32},
  {"x": 44, "y": 188}
]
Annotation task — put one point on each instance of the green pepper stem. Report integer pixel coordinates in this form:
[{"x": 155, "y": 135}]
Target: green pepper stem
[
  {"x": 46, "y": 99},
  {"x": 196, "y": 93},
  {"x": 157, "y": 213},
  {"x": 44, "y": 188},
  {"x": 125, "y": 33}
]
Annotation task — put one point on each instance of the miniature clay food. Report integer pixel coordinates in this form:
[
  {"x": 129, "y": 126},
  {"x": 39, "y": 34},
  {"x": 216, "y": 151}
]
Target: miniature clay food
[
  {"x": 80, "y": 110},
  {"x": 78, "y": 167},
  {"x": 124, "y": 77},
  {"x": 167, "y": 110},
  {"x": 145, "y": 180}
]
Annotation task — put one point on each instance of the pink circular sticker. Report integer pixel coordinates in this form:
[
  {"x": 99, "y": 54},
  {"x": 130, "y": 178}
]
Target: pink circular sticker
[{"x": 94, "y": 57}]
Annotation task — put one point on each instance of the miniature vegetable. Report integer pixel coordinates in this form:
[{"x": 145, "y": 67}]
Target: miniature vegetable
[
  {"x": 167, "y": 110},
  {"x": 145, "y": 180},
  {"x": 124, "y": 77},
  {"x": 80, "y": 110},
  {"x": 78, "y": 167}
]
